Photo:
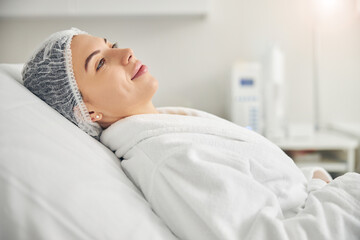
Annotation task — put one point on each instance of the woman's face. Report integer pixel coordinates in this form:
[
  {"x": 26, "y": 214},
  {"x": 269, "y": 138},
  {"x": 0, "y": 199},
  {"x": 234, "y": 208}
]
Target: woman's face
[{"x": 112, "y": 81}]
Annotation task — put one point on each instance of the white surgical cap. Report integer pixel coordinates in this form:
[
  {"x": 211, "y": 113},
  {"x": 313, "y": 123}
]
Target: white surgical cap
[{"x": 49, "y": 75}]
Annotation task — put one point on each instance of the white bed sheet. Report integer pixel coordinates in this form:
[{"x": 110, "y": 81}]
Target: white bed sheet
[{"x": 56, "y": 182}]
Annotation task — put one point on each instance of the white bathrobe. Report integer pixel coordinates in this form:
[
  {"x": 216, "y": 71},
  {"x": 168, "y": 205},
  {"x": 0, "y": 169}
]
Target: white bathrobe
[{"x": 208, "y": 178}]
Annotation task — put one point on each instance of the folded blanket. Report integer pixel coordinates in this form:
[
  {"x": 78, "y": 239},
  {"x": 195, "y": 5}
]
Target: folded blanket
[{"x": 208, "y": 178}]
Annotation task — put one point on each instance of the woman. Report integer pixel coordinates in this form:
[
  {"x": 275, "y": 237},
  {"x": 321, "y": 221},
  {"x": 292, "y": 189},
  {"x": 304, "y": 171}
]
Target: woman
[
  {"x": 204, "y": 176},
  {"x": 96, "y": 87}
]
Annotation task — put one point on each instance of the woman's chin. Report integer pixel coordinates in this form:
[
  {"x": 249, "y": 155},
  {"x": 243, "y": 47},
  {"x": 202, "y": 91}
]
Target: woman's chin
[{"x": 152, "y": 82}]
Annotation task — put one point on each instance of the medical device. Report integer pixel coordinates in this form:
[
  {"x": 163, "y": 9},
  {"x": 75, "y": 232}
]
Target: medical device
[
  {"x": 258, "y": 94},
  {"x": 246, "y": 95}
]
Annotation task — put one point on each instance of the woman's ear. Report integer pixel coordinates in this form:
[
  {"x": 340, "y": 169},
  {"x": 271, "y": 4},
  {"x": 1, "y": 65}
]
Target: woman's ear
[{"x": 95, "y": 116}]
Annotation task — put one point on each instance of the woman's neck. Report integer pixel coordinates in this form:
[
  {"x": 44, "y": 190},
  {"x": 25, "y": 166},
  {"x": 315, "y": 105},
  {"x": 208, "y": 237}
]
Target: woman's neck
[{"x": 148, "y": 109}]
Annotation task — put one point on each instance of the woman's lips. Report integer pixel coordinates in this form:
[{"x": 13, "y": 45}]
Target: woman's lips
[{"x": 140, "y": 69}]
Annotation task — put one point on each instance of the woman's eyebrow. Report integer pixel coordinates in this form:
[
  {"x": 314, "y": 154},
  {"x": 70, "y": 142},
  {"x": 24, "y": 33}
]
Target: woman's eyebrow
[{"x": 91, "y": 55}]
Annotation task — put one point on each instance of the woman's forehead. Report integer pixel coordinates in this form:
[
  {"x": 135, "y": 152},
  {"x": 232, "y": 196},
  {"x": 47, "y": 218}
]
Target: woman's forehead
[
  {"x": 82, "y": 46},
  {"x": 84, "y": 43}
]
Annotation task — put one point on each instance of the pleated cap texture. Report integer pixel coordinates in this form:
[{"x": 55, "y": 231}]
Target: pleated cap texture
[{"x": 49, "y": 75}]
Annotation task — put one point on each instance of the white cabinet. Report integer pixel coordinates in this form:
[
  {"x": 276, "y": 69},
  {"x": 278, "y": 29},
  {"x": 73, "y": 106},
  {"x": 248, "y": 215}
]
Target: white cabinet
[
  {"x": 47, "y": 8},
  {"x": 330, "y": 150},
  {"x": 351, "y": 129}
]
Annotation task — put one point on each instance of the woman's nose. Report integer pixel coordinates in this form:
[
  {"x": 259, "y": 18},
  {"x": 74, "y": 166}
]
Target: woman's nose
[{"x": 125, "y": 55}]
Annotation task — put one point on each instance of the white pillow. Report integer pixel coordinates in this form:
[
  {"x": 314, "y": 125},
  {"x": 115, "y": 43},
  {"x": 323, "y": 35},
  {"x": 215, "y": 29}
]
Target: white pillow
[{"x": 56, "y": 182}]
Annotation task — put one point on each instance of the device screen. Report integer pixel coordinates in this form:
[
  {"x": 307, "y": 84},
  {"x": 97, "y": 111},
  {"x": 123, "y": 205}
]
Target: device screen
[{"x": 246, "y": 82}]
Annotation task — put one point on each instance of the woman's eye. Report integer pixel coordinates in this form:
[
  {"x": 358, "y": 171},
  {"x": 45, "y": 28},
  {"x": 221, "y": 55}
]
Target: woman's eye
[{"x": 101, "y": 63}]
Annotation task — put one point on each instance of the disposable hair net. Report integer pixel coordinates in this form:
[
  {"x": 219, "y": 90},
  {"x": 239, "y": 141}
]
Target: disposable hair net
[{"x": 49, "y": 75}]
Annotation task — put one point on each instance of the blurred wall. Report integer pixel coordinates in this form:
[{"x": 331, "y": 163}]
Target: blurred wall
[{"x": 192, "y": 56}]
